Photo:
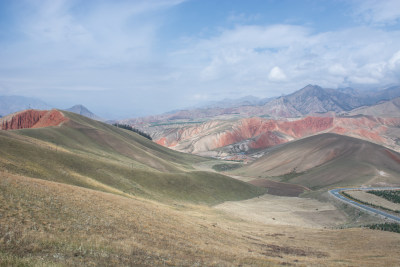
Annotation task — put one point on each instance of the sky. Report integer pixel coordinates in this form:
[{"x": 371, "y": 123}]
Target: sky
[{"x": 124, "y": 59}]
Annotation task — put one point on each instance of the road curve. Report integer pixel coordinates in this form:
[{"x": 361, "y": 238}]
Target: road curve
[{"x": 336, "y": 193}]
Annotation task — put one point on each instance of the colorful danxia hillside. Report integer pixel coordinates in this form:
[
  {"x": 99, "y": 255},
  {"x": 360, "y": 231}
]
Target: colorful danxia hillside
[{"x": 199, "y": 133}]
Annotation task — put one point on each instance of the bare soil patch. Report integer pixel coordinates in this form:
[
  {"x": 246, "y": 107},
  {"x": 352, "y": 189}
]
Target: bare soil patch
[{"x": 281, "y": 210}]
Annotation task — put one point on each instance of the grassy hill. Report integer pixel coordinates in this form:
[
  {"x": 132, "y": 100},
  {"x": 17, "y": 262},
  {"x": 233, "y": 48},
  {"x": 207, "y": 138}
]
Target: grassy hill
[
  {"x": 83, "y": 194},
  {"x": 327, "y": 160},
  {"x": 99, "y": 156}
]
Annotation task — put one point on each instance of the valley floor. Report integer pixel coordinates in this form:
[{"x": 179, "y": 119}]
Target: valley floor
[
  {"x": 281, "y": 210},
  {"x": 49, "y": 223}
]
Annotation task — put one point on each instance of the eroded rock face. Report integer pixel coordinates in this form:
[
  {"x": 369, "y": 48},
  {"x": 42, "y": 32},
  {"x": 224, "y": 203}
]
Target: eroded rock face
[
  {"x": 32, "y": 119},
  {"x": 259, "y": 133}
]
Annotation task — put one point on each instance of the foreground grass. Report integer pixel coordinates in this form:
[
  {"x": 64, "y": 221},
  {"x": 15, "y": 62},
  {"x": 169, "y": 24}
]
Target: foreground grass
[
  {"x": 45, "y": 223},
  {"x": 55, "y": 223}
]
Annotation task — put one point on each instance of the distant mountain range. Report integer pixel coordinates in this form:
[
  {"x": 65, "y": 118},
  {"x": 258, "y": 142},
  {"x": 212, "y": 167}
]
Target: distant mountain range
[
  {"x": 310, "y": 100},
  {"x": 389, "y": 108},
  {"x": 315, "y": 99},
  {"x": 12, "y": 104},
  {"x": 243, "y": 101}
]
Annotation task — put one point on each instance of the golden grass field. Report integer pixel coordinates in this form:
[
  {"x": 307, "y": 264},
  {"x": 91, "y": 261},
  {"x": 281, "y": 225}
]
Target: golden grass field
[{"x": 48, "y": 223}]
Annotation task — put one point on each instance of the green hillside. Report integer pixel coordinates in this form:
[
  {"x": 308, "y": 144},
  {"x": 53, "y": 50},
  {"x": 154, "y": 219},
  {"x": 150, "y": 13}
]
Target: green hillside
[
  {"x": 99, "y": 156},
  {"x": 327, "y": 160}
]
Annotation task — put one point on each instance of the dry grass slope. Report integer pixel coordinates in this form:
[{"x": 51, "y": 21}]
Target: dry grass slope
[
  {"x": 95, "y": 155},
  {"x": 48, "y": 223},
  {"x": 327, "y": 160}
]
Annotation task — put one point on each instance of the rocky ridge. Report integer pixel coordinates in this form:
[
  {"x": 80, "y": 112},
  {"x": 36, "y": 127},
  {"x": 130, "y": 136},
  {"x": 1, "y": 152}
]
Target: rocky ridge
[
  {"x": 226, "y": 138},
  {"x": 32, "y": 119}
]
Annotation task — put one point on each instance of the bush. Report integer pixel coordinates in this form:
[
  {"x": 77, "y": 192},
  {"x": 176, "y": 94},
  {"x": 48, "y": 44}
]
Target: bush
[{"x": 226, "y": 167}]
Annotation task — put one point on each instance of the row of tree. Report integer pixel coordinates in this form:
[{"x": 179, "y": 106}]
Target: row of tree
[
  {"x": 391, "y": 227},
  {"x": 391, "y": 195},
  {"x": 130, "y": 128}
]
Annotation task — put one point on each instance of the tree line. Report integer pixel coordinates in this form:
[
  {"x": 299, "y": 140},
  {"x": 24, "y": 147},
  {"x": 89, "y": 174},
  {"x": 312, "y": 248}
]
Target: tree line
[
  {"x": 367, "y": 203},
  {"x": 390, "y": 227},
  {"x": 130, "y": 128},
  {"x": 391, "y": 195}
]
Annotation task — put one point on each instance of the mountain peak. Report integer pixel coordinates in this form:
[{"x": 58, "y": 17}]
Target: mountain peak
[
  {"x": 311, "y": 87},
  {"x": 78, "y": 107},
  {"x": 82, "y": 110}
]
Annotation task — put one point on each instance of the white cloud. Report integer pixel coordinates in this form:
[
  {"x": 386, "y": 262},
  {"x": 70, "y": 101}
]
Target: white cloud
[
  {"x": 82, "y": 34},
  {"x": 394, "y": 62},
  {"x": 201, "y": 97},
  {"x": 337, "y": 69},
  {"x": 378, "y": 11},
  {"x": 363, "y": 80},
  {"x": 276, "y": 75},
  {"x": 240, "y": 57}
]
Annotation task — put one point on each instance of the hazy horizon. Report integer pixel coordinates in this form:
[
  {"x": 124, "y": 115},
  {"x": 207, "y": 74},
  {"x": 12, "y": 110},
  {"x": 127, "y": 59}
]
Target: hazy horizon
[{"x": 126, "y": 59}]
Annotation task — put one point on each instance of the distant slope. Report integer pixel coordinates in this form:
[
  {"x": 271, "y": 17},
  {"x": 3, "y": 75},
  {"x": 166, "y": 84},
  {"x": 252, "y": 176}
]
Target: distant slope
[
  {"x": 314, "y": 99},
  {"x": 384, "y": 94},
  {"x": 327, "y": 160},
  {"x": 11, "y": 104},
  {"x": 226, "y": 137},
  {"x": 103, "y": 157},
  {"x": 384, "y": 109},
  {"x": 234, "y": 103},
  {"x": 82, "y": 110}
]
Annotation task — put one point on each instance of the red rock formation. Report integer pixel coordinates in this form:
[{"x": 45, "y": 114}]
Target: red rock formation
[
  {"x": 267, "y": 132},
  {"x": 162, "y": 141},
  {"x": 306, "y": 126},
  {"x": 32, "y": 119},
  {"x": 258, "y": 133}
]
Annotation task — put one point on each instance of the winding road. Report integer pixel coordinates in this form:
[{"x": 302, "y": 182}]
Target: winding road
[{"x": 336, "y": 193}]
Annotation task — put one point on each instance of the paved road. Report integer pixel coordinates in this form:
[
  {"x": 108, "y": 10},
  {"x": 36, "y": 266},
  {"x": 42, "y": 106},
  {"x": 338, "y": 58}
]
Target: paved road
[{"x": 336, "y": 193}]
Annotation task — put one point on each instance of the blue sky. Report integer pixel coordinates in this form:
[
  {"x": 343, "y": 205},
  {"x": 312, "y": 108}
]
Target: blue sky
[{"x": 132, "y": 58}]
